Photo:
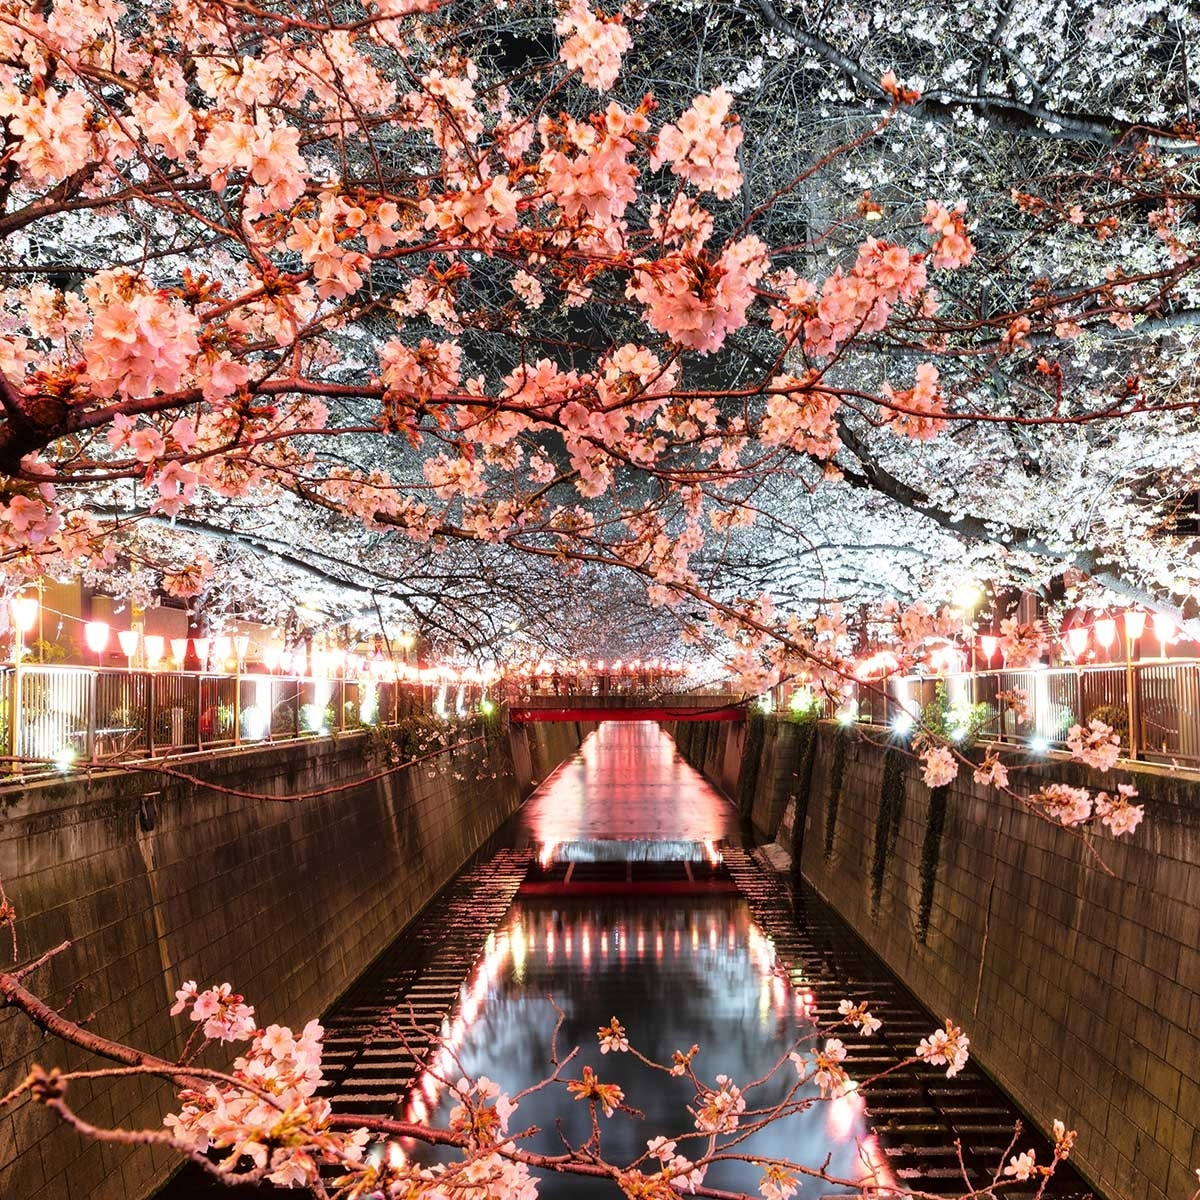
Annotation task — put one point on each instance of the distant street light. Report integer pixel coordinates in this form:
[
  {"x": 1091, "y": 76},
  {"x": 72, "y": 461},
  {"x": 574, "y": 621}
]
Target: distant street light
[
  {"x": 1134, "y": 621},
  {"x": 407, "y": 641}
]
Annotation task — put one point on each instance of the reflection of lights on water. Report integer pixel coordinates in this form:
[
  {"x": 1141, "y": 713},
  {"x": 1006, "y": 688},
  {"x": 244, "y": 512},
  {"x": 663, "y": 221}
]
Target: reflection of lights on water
[
  {"x": 844, "y": 1112},
  {"x": 499, "y": 950},
  {"x": 876, "y": 1170},
  {"x": 519, "y": 950},
  {"x": 779, "y": 991},
  {"x": 761, "y": 949},
  {"x": 744, "y": 950}
]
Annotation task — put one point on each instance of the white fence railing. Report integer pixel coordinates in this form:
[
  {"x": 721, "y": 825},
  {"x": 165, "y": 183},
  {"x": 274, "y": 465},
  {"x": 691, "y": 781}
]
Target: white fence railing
[
  {"x": 61, "y": 715},
  {"x": 1155, "y": 706}
]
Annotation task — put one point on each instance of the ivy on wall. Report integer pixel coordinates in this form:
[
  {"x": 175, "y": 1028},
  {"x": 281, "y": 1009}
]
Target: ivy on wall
[
  {"x": 685, "y": 736},
  {"x": 837, "y": 769},
  {"x": 806, "y": 755},
  {"x": 752, "y": 753},
  {"x": 931, "y": 851},
  {"x": 887, "y": 820}
]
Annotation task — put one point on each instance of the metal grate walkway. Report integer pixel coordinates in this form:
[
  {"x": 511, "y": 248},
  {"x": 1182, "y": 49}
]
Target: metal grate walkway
[
  {"x": 378, "y": 1036},
  {"x": 917, "y": 1113}
]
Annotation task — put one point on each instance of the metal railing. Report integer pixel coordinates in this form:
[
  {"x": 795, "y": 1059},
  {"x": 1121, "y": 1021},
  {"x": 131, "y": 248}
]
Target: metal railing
[
  {"x": 1154, "y": 706},
  {"x": 62, "y": 715}
]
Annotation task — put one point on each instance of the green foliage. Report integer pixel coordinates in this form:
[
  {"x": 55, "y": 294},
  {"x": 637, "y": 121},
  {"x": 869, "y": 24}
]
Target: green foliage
[
  {"x": 283, "y": 718},
  {"x": 756, "y": 735},
  {"x": 804, "y": 706},
  {"x": 806, "y": 757},
  {"x": 931, "y": 849},
  {"x": 315, "y": 719},
  {"x": 42, "y": 651},
  {"x": 959, "y": 723},
  {"x": 1115, "y": 716}
]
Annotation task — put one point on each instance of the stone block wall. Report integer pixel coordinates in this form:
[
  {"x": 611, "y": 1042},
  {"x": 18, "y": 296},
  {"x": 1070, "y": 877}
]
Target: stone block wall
[
  {"x": 1078, "y": 983},
  {"x": 754, "y": 763},
  {"x": 1072, "y": 962},
  {"x": 156, "y": 879}
]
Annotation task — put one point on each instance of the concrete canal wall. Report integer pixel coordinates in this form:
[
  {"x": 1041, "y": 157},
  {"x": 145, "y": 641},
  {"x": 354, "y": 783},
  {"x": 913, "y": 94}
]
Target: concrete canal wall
[
  {"x": 156, "y": 879},
  {"x": 1079, "y": 984}
]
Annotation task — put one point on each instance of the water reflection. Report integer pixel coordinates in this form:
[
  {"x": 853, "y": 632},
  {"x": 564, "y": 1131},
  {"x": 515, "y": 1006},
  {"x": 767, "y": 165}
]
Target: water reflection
[
  {"x": 674, "y": 972},
  {"x": 627, "y": 782}
]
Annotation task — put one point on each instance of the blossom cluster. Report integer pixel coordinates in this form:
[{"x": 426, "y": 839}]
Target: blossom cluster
[
  {"x": 1097, "y": 745},
  {"x": 939, "y": 766},
  {"x": 595, "y": 45},
  {"x": 718, "y": 1110},
  {"x": 859, "y": 1015},
  {"x": 613, "y": 1037},
  {"x": 268, "y": 1112},
  {"x": 679, "y": 1172},
  {"x": 482, "y": 1112},
  {"x": 946, "y": 1047},
  {"x": 1021, "y": 643},
  {"x": 702, "y": 147}
]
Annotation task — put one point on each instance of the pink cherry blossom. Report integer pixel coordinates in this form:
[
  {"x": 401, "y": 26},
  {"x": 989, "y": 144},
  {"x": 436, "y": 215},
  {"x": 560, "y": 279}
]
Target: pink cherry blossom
[
  {"x": 952, "y": 246},
  {"x": 939, "y": 766},
  {"x": 1097, "y": 745},
  {"x": 948, "y": 1046},
  {"x": 702, "y": 147},
  {"x": 595, "y": 45},
  {"x": 915, "y": 411}
]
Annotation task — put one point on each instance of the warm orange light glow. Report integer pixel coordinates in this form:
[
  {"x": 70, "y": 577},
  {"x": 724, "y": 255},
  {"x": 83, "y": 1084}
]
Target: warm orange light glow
[
  {"x": 95, "y": 633},
  {"x": 1164, "y": 628},
  {"x": 24, "y": 612},
  {"x": 1077, "y": 640},
  {"x": 154, "y": 646}
]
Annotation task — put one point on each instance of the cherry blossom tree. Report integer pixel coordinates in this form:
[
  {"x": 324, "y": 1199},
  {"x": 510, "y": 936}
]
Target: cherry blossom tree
[{"x": 272, "y": 273}]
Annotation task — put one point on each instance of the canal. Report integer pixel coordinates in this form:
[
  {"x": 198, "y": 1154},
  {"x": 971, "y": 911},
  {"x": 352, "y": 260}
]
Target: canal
[{"x": 626, "y": 887}]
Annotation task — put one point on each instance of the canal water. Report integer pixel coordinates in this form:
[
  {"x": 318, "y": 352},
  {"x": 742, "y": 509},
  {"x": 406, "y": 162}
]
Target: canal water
[{"x": 627, "y": 888}]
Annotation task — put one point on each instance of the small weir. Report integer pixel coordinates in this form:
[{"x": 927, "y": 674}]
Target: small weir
[{"x": 606, "y": 904}]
